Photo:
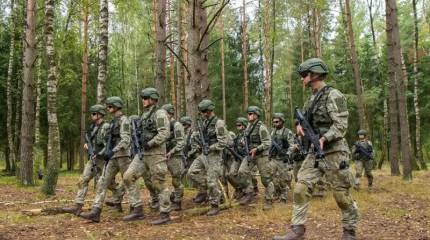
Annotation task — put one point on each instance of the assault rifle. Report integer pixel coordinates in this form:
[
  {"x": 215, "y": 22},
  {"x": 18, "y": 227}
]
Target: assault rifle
[
  {"x": 235, "y": 154},
  {"x": 311, "y": 136},
  {"x": 203, "y": 142},
  {"x": 276, "y": 147},
  {"x": 366, "y": 152},
  {"x": 300, "y": 152},
  {"x": 91, "y": 153},
  {"x": 136, "y": 148},
  {"x": 108, "y": 154}
]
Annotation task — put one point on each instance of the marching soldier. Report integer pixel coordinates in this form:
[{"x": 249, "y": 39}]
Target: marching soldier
[
  {"x": 97, "y": 137},
  {"x": 174, "y": 154},
  {"x": 258, "y": 141},
  {"x": 206, "y": 170},
  {"x": 362, "y": 154},
  {"x": 116, "y": 155},
  {"x": 327, "y": 113},
  {"x": 154, "y": 134},
  {"x": 281, "y": 153}
]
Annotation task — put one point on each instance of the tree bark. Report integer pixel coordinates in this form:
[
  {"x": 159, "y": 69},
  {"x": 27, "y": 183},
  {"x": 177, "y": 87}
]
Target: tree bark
[
  {"x": 396, "y": 75},
  {"x": 418, "y": 147},
  {"x": 27, "y": 125},
  {"x": 160, "y": 48},
  {"x": 51, "y": 176},
  {"x": 224, "y": 108},
  {"x": 103, "y": 51},
  {"x": 355, "y": 68},
  {"x": 316, "y": 31},
  {"x": 9, "y": 126},
  {"x": 245, "y": 57},
  {"x": 266, "y": 62},
  {"x": 85, "y": 21},
  {"x": 173, "y": 82},
  {"x": 372, "y": 25},
  {"x": 180, "y": 93}
]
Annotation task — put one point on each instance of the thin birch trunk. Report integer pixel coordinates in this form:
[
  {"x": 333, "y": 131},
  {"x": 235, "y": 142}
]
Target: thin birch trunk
[
  {"x": 103, "y": 51},
  {"x": 245, "y": 57},
  {"x": 266, "y": 62},
  {"x": 85, "y": 21},
  {"x": 224, "y": 110}
]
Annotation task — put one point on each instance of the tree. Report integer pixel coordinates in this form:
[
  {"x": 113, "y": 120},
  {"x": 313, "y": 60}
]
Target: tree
[
  {"x": 245, "y": 56},
  {"x": 27, "y": 125},
  {"x": 266, "y": 62},
  {"x": 355, "y": 68},
  {"x": 397, "y": 84},
  {"x": 160, "y": 48},
  {"x": 224, "y": 108},
  {"x": 51, "y": 176},
  {"x": 103, "y": 50},
  {"x": 11, "y": 161},
  {"x": 181, "y": 62}
]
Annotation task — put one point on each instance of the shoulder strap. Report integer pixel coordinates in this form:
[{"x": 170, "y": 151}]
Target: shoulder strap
[
  {"x": 315, "y": 101},
  {"x": 252, "y": 129}
]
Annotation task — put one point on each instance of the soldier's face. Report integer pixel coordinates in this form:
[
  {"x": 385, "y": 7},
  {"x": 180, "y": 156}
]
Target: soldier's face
[
  {"x": 306, "y": 78},
  {"x": 146, "y": 101},
  {"x": 277, "y": 123},
  {"x": 110, "y": 108},
  {"x": 240, "y": 127},
  {"x": 252, "y": 117},
  {"x": 361, "y": 137},
  {"x": 94, "y": 116}
]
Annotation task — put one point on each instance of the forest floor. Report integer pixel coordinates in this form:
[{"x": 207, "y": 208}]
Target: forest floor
[{"x": 394, "y": 209}]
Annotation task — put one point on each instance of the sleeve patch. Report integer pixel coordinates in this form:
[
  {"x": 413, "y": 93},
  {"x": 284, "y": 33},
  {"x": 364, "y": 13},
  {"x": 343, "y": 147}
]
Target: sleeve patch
[
  {"x": 127, "y": 127},
  {"x": 160, "y": 122},
  {"x": 264, "y": 134},
  {"x": 178, "y": 133},
  {"x": 221, "y": 131},
  {"x": 341, "y": 104}
]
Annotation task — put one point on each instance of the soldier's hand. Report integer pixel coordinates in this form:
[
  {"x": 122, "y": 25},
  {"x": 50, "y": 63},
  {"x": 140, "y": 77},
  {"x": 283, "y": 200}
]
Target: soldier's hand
[
  {"x": 253, "y": 152},
  {"x": 168, "y": 155},
  {"x": 94, "y": 157},
  {"x": 86, "y": 146},
  {"x": 299, "y": 130},
  {"x": 322, "y": 140}
]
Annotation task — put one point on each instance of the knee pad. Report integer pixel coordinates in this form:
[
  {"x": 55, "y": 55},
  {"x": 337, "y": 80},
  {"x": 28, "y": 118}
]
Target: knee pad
[
  {"x": 301, "y": 193},
  {"x": 343, "y": 199}
]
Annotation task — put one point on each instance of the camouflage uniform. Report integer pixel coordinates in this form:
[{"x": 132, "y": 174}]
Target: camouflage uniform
[
  {"x": 120, "y": 161},
  {"x": 175, "y": 165},
  {"x": 282, "y": 160},
  {"x": 259, "y": 138},
  {"x": 298, "y": 156},
  {"x": 362, "y": 162},
  {"x": 153, "y": 167},
  {"x": 233, "y": 165},
  {"x": 328, "y": 114},
  {"x": 207, "y": 170},
  {"x": 98, "y": 141}
]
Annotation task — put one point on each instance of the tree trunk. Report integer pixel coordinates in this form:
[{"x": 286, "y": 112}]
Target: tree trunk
[
  {"x": 51, "y": 176},
  {"x": 224, "y": 108},
  {"x": 27, "y": 125},
  {"x": 418, "y": 147},
  {"x": 37, "y": 148},
  {"x": 316, "y": 31},
  {"x": 266, "y": 62},
  {"x": 198, "y": 87},
  {"x": 9, "y": 126},
  {"x": 245, "y": 57},
  {"x": 85, "y": 21},
  {"x": 173, "y": 83},
  {"x": 103, "y": 51},
  {"x": 372, "y": 25},
  {"x": 180, "y": 90},
  {"x": 160, "y": 48},
  {"x": 355, "y": 68},
  {"x": 396, "y": 75}
]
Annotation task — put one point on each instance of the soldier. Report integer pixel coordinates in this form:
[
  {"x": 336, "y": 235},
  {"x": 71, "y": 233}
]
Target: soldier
[
  {"x": 116, "y": 155},
  {"x": 258, "y": 139},
  {"x": 362, "y": 154},
  {"x": 97, "y": 136},
  {"x": 191, "y": 148},
  {"x": 327, "y": 113},
  {"x": 154, "y": 134},
  {"x": 281, "y": 152},
  {"x": 298, "y": 155},
  {"x": 206, "y": 170},
  {"x": 174, "y": 148}
]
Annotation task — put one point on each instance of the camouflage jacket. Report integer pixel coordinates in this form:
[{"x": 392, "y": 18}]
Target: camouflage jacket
[
  {"x": 175, "y": 142},
  {"x": 365, "y": 144},
  {"x": 98, "y": 136},
  {"x": 155, "y": 130},
  {"x": 327, "y": 112},
  {"x": 216, "y": 132},
  {"x": 258, "y": 137},
  {"x": 120, "y": 127},
  {"x": 192, "y": 145},
  {"x": 285, "y": 139}
]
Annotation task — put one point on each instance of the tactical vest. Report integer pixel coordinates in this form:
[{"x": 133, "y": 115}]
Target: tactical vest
[
  {"x": 366, "y": 146},
  {"x": 171, "y": 141},
  {"x": 209, "y": 131},
  {"x": 115, "y": 131},
  {"x": 253, "y": 135},
  {"x": 282, "y": 141},
  {"x": 316, "y": 111},
  {"x": 239, "y": 144},
  {"x": 97, "y": 137},
  {"x": 149, "y": 126}
]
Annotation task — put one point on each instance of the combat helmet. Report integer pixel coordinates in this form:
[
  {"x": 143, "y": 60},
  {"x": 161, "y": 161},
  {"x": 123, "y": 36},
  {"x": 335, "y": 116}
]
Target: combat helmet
[
  {"x": 206, "y": 105},
  {"x": 314, "y": 65},
  {"x": 362, "y": 132},
  {"x": 114, "y": 101},
  {"x": 169, "y": 108},
  {"x": 185, "y": 120},
  {"x": 151, "y": 93},
  {"x": 279, "y": 115},
  {"x": 98, "y": 108},
  {"x": 242, "y": 120},
  {"x": 254, "y": 109}
]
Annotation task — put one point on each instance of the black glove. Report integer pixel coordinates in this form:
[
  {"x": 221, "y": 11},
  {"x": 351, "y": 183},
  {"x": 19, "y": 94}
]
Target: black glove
[
  {"x": 145, "y": 146},
  {"x": 343, "y": 165},
  {"x": 108, "y": 155}
]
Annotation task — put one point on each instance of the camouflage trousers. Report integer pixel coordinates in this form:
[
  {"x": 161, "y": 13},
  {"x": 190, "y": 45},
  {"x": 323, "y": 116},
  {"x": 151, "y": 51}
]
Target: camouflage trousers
[
  {"x": 367, "y": 166},
  {"x": 88, "y": 174},
  {"x": 296, "y": 167},
  {"x": 206, "y": 172},
  {"x": 266, "y": 169},
  {"x": 115, "y": 165},
  {"x": 231, "y": 173},
  {"x": 153, "y": 168},
  {"x": 175, "y": 166},
  {"x": 341, "y": 180},
  {"x": 282, "y": 178}
]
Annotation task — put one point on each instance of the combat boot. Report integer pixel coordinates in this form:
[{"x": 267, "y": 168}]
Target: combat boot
[
  {"x": 93, "y": 215},
  {"x": 136, "y": 213},
  {"x": 113, "y": 205},
  {"x": 162, "y": 219},
  {"x": 75, "y": 209},
  {"x": 267, "y": 205},
  {"x": 177, "y": 206},
  {"x": 213, "y": 211},
  {"x": 348, "y": 234},
  {"x": 247, "y": 199},
  {"x": 200, "y": 198},
  {"x": 154, "y": 205},
  {"x": 297, "y": 232}
]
